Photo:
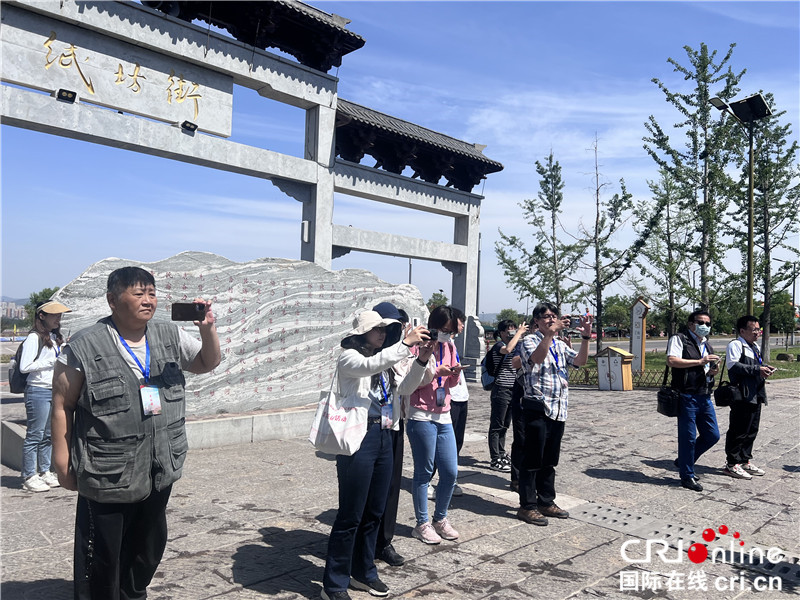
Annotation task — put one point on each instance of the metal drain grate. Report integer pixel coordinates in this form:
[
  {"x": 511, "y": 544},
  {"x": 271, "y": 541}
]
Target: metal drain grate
[
  {"x": 611, "y": 518},
  {"x": 644, "y": 527}
]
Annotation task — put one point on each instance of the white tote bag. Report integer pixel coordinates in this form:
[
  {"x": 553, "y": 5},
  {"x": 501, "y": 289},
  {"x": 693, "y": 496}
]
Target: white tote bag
[{"x": 339, "y": 426}]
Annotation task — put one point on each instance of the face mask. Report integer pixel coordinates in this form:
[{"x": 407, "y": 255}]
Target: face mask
[
  {"x": 702, "y": 330},
  {"x": 511, "y": 333},
  {"x": 443, "y": 337}
]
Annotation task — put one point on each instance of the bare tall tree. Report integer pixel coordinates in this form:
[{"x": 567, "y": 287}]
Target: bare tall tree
[{"x": 607, "y": 263}]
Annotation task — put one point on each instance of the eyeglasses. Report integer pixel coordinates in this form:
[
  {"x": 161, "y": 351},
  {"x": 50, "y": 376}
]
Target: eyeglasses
[
  {"x": 549, "y": 317},
  {"x": 703, "y": 322}
]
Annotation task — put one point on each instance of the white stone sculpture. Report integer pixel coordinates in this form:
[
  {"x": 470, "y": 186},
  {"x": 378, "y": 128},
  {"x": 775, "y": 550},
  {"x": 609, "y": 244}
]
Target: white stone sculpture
[{"x": 279, "y": 321}]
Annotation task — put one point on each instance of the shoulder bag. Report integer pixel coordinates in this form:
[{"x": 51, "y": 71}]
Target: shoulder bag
[
  {"x": 339, "y": 426},
  {"x": 726, "y": 393},
  {"x": 668, "y": 398}
]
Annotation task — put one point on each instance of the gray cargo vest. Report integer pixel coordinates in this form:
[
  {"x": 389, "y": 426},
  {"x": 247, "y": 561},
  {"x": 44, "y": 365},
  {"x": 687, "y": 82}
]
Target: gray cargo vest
[{"x": 120, "y": 454}]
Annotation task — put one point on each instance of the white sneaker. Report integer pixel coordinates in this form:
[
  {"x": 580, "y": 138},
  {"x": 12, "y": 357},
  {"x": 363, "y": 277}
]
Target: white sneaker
[
  {"x": 457, "y": 491},
  {"x": 431, "y": 492},
  {"x": 34, "y": 483},
  {"x": 736, "y": 471},
  {"x": 50, "y": 479},
  {"x": 749, "y": 467}
]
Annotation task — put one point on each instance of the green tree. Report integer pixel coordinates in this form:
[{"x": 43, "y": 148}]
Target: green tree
[
  {"x": 543, "y": 271},
  {"x": 664, "y": 257},
  {"x": 776, "y": 204},
  {"x": 617, "y": 311},
  {"x": 437, "y": 299},
  {"x": 782, "y": 313},
  {"x": 510, "y": 314},
  {"x": 34, "y": 299},
  {"x": 699, "y": 167}
]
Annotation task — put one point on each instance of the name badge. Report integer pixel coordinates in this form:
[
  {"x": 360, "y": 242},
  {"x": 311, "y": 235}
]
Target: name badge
[
  {"x": 441, "y": 395},
  {"x": 386, "y": 416},
  {"x": 151, "y": 399}
]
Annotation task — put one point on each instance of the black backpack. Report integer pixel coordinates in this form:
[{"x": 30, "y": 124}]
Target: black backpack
[{"x": 17, "y": 380}]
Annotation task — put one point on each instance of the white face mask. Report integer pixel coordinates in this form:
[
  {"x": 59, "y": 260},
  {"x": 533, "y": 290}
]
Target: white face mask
[
  {"x": 511, "y": 333},
  {"x": 443, "y": 337}
]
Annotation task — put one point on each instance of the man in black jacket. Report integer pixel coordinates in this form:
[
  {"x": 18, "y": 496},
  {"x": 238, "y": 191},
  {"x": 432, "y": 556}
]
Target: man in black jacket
[
  {"x": 747, "y": 372},
  {"x": 694, "y": 366}
]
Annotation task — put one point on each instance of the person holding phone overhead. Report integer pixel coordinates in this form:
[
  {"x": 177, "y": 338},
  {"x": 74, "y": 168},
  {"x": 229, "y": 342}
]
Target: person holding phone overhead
[
  {"x": 119, "y": 439},
  {"x": 430, "y": 431},
  {"x": 366, "y": 376}
]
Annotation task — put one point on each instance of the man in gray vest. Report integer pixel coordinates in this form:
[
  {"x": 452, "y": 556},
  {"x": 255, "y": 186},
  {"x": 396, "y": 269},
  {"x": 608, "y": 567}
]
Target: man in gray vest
[{"x": 118, "y": 433}]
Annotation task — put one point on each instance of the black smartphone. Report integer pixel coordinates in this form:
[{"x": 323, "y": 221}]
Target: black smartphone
[
  {"x": 188, "y": 311},
  {"x": 434, "y": 334}
]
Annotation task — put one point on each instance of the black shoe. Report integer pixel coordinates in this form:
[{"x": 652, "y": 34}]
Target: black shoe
[
  {"x": 375, "y": 587},
  {"x": 390, "y": 556},
  {"x": 675, "y": 462},
  {"x": 692, "y": 484},
  {"x": 334, "y": 595}
]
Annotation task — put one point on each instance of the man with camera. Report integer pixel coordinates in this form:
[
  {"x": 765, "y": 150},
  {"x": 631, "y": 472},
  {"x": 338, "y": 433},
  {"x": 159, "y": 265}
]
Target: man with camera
[
  {"x": 546, "y": 362},
  {"x": 694, "y": 366},
  {"x": 748, "y": 374},
  {"x": 118, "y": 432}
]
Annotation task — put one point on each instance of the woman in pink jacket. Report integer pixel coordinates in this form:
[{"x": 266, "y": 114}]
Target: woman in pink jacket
[{"x": 430, "y": 432}]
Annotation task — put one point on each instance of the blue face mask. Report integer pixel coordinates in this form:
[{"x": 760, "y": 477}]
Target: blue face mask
[{"x": 702, "y": 330}]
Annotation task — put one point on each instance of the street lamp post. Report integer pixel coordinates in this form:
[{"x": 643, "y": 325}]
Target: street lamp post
[{"x": 746, "y": 112}]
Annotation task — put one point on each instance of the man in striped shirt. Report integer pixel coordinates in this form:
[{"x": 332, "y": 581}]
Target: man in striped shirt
[{"x": 546, "y": 361}]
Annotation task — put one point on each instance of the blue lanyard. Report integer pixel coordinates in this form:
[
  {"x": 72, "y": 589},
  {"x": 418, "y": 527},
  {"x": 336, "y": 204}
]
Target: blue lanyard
[
  {"x": 146, "y": 369},
  {"x": 758, "y": 354},
  {"x": 441, "y": 359},
  {"x": 385, "y": 394},
  {"x": 552, "y": 351}
]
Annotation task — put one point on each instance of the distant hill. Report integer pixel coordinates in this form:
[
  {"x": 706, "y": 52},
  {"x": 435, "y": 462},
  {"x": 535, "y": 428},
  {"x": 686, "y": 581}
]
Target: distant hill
[
  {"x": 487, "y": 318},
  {"x": 17, "y": 301}
]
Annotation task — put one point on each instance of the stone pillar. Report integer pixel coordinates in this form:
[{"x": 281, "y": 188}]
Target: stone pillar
[
  {"x": 317, "y": 228},
  {"x": 464, "y": 291},
  {"x": 465, "y": 278}
]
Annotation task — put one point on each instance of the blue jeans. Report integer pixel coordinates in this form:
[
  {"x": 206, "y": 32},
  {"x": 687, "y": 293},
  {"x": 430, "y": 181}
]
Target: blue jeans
[
  {"x": 696, "y": 417},
  {"x": 431, "y": 441},
  {"x": 363, "y": 488},
  {"x": 37, "y": 447}
]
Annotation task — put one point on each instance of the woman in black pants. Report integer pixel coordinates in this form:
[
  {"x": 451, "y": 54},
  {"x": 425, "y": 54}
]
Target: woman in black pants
[{"x": 504, "y": 375}]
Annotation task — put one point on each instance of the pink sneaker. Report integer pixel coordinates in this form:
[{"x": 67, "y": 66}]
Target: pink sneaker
[
  {"x": 426, "y": 534},
  {"x": 445, "y": 530}
]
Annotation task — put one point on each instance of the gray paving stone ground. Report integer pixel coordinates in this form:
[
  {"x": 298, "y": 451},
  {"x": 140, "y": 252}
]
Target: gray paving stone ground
[{"x": 251, "y": 521}]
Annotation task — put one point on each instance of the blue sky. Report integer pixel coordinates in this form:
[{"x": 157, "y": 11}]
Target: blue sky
[{"x": 524, "y": 78}]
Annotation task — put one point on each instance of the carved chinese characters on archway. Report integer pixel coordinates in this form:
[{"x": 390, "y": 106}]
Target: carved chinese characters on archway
[{"x": 114, "y": 74}]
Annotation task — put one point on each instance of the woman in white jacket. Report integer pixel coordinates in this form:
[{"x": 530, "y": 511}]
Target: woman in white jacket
[
  {"x": 366, "y": 376},
  {"x": 39, "y": 352}
]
